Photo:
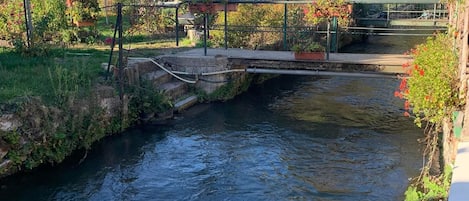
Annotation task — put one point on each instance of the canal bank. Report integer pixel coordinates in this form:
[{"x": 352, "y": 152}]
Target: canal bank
[
  {"x": 330, "y": 138},
  {"x": 34, "y": 133},
  {"x": 115, "y": 97}
]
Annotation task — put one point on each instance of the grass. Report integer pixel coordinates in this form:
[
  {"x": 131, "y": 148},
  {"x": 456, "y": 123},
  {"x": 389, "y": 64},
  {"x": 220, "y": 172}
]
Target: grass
[{"x": 29, "y": 76}]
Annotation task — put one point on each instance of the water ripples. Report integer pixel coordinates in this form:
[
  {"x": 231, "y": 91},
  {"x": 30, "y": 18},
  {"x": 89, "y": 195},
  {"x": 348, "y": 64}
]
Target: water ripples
[{"x": 319, "y": 139}]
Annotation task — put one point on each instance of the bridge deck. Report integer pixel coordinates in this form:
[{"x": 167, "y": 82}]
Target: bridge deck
[
  {"x": 352, "y": 58},
  {"x": 387, "y": 63}
]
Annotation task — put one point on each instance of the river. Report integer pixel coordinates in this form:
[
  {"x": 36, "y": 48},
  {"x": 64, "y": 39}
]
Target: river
[{"x": 290, "y": 138}]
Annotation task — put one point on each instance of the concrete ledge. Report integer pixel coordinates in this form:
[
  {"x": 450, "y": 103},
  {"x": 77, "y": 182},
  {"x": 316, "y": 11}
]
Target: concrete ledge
[{"x": 459, "y": 190}]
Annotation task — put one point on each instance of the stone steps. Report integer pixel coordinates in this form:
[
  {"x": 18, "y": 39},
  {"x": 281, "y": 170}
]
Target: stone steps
[
  {"x": 157, "y": 78},
  {"x": 175, "y": 90},
  {"x": 185, "y": 103}
]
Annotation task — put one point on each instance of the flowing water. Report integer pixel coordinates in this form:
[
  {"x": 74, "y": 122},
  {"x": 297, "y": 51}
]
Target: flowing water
[{"x": 291, "y": 138}]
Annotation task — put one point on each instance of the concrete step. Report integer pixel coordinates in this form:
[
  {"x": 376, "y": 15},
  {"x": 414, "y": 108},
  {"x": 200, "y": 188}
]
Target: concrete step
[
  {"x": 185, "y": 103},
  {"x": 173, "y": 89},
  {"x": 157, "y": 77}
]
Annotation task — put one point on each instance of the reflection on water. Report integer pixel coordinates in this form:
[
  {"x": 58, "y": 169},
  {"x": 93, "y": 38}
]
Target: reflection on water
[{"x": 293, "y": 138}]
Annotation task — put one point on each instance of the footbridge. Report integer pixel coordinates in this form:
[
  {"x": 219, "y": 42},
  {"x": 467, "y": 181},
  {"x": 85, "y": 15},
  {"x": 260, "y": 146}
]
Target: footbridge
[{"x": 284, "y": 62}]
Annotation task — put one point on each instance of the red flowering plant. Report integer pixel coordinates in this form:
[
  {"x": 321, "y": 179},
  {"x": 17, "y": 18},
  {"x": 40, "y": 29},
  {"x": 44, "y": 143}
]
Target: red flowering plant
[
  {"x": 430, "y": 88},
  {"x": 320, "y": 11}
]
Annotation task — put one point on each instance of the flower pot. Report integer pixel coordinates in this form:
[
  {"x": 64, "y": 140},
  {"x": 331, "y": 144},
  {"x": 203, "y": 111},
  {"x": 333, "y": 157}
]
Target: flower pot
[{"x": 309, "y": 55}]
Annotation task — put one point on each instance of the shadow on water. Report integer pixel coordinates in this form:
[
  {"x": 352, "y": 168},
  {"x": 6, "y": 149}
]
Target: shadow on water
[{"x": 108, "y": 154}]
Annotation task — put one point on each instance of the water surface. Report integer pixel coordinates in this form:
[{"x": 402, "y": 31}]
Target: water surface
[{"x": 292, "y": 138}]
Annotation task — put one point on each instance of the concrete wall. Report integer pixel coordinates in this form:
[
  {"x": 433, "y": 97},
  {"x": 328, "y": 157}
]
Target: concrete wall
[{"x": 196, "y": 66}]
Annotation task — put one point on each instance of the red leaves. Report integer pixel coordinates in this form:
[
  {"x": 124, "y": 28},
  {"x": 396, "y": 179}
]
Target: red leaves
[
  {"x": 320, "y": 10},
  {"x": 406, "y": 105},
  {"x": 403, "y": 84},
  {"x": 405, "y": 65},
  {"x": 398, "y": 94}
]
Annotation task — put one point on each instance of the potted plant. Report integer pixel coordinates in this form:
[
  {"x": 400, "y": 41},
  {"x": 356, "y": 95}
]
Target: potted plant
[
  {"x": 309, "y": 51},
  {"x": 84, "y": 12}
]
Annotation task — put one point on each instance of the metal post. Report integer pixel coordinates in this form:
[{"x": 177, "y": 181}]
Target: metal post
[
  {"x": 29, "y": 22},
  {"x": 226, "y": 26},
  {"x": 334, "y": 34},
  {"x": 388, "y": 16},
  {"x": 121, "y": 51},
  {"x": 328, "y": 39},
  {"x": 208, "y": 28},
  {"x": 113, "y": 43},
  {"x": 205, "y": 33},
  {"x": 285, "y": 19},
  {"x": 177, "y": 27}
]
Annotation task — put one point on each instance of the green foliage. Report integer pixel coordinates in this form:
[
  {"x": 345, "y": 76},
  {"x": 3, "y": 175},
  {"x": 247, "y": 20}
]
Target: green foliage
[
  {"x": 324, "y": 10},
  {"x": 49, "y": 134},
  {"x": 12, "y": 138},
  {"x": 147, "y": 100},
  {"x": 12, "y": 19},
  {"x": 200, "y": 44},
  {"x": 256, "y": 26},
  {"x": 48, "y": 20},
  {"x": 310, "y": 46},
  {"x": 431, "y": 91},
  {"x": 29, "y": 76},
  {"x": 155, "y": 20},
  {"x": 430, "y": 188},
  {"x": 84, "y": 10},
  {"x": 228, "y": 91}
]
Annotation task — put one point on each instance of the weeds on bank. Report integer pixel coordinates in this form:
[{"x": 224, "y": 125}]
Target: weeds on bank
[
  {"x": 431, "y": 188},
  {"x": 38, "y": 76}
]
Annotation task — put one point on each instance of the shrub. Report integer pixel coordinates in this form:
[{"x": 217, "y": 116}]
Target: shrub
[{"x": 431, "y": 88}]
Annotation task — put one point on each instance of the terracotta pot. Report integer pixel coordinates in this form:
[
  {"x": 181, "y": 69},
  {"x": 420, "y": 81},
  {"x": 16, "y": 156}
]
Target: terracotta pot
[{"x": 309, "y": 55}]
